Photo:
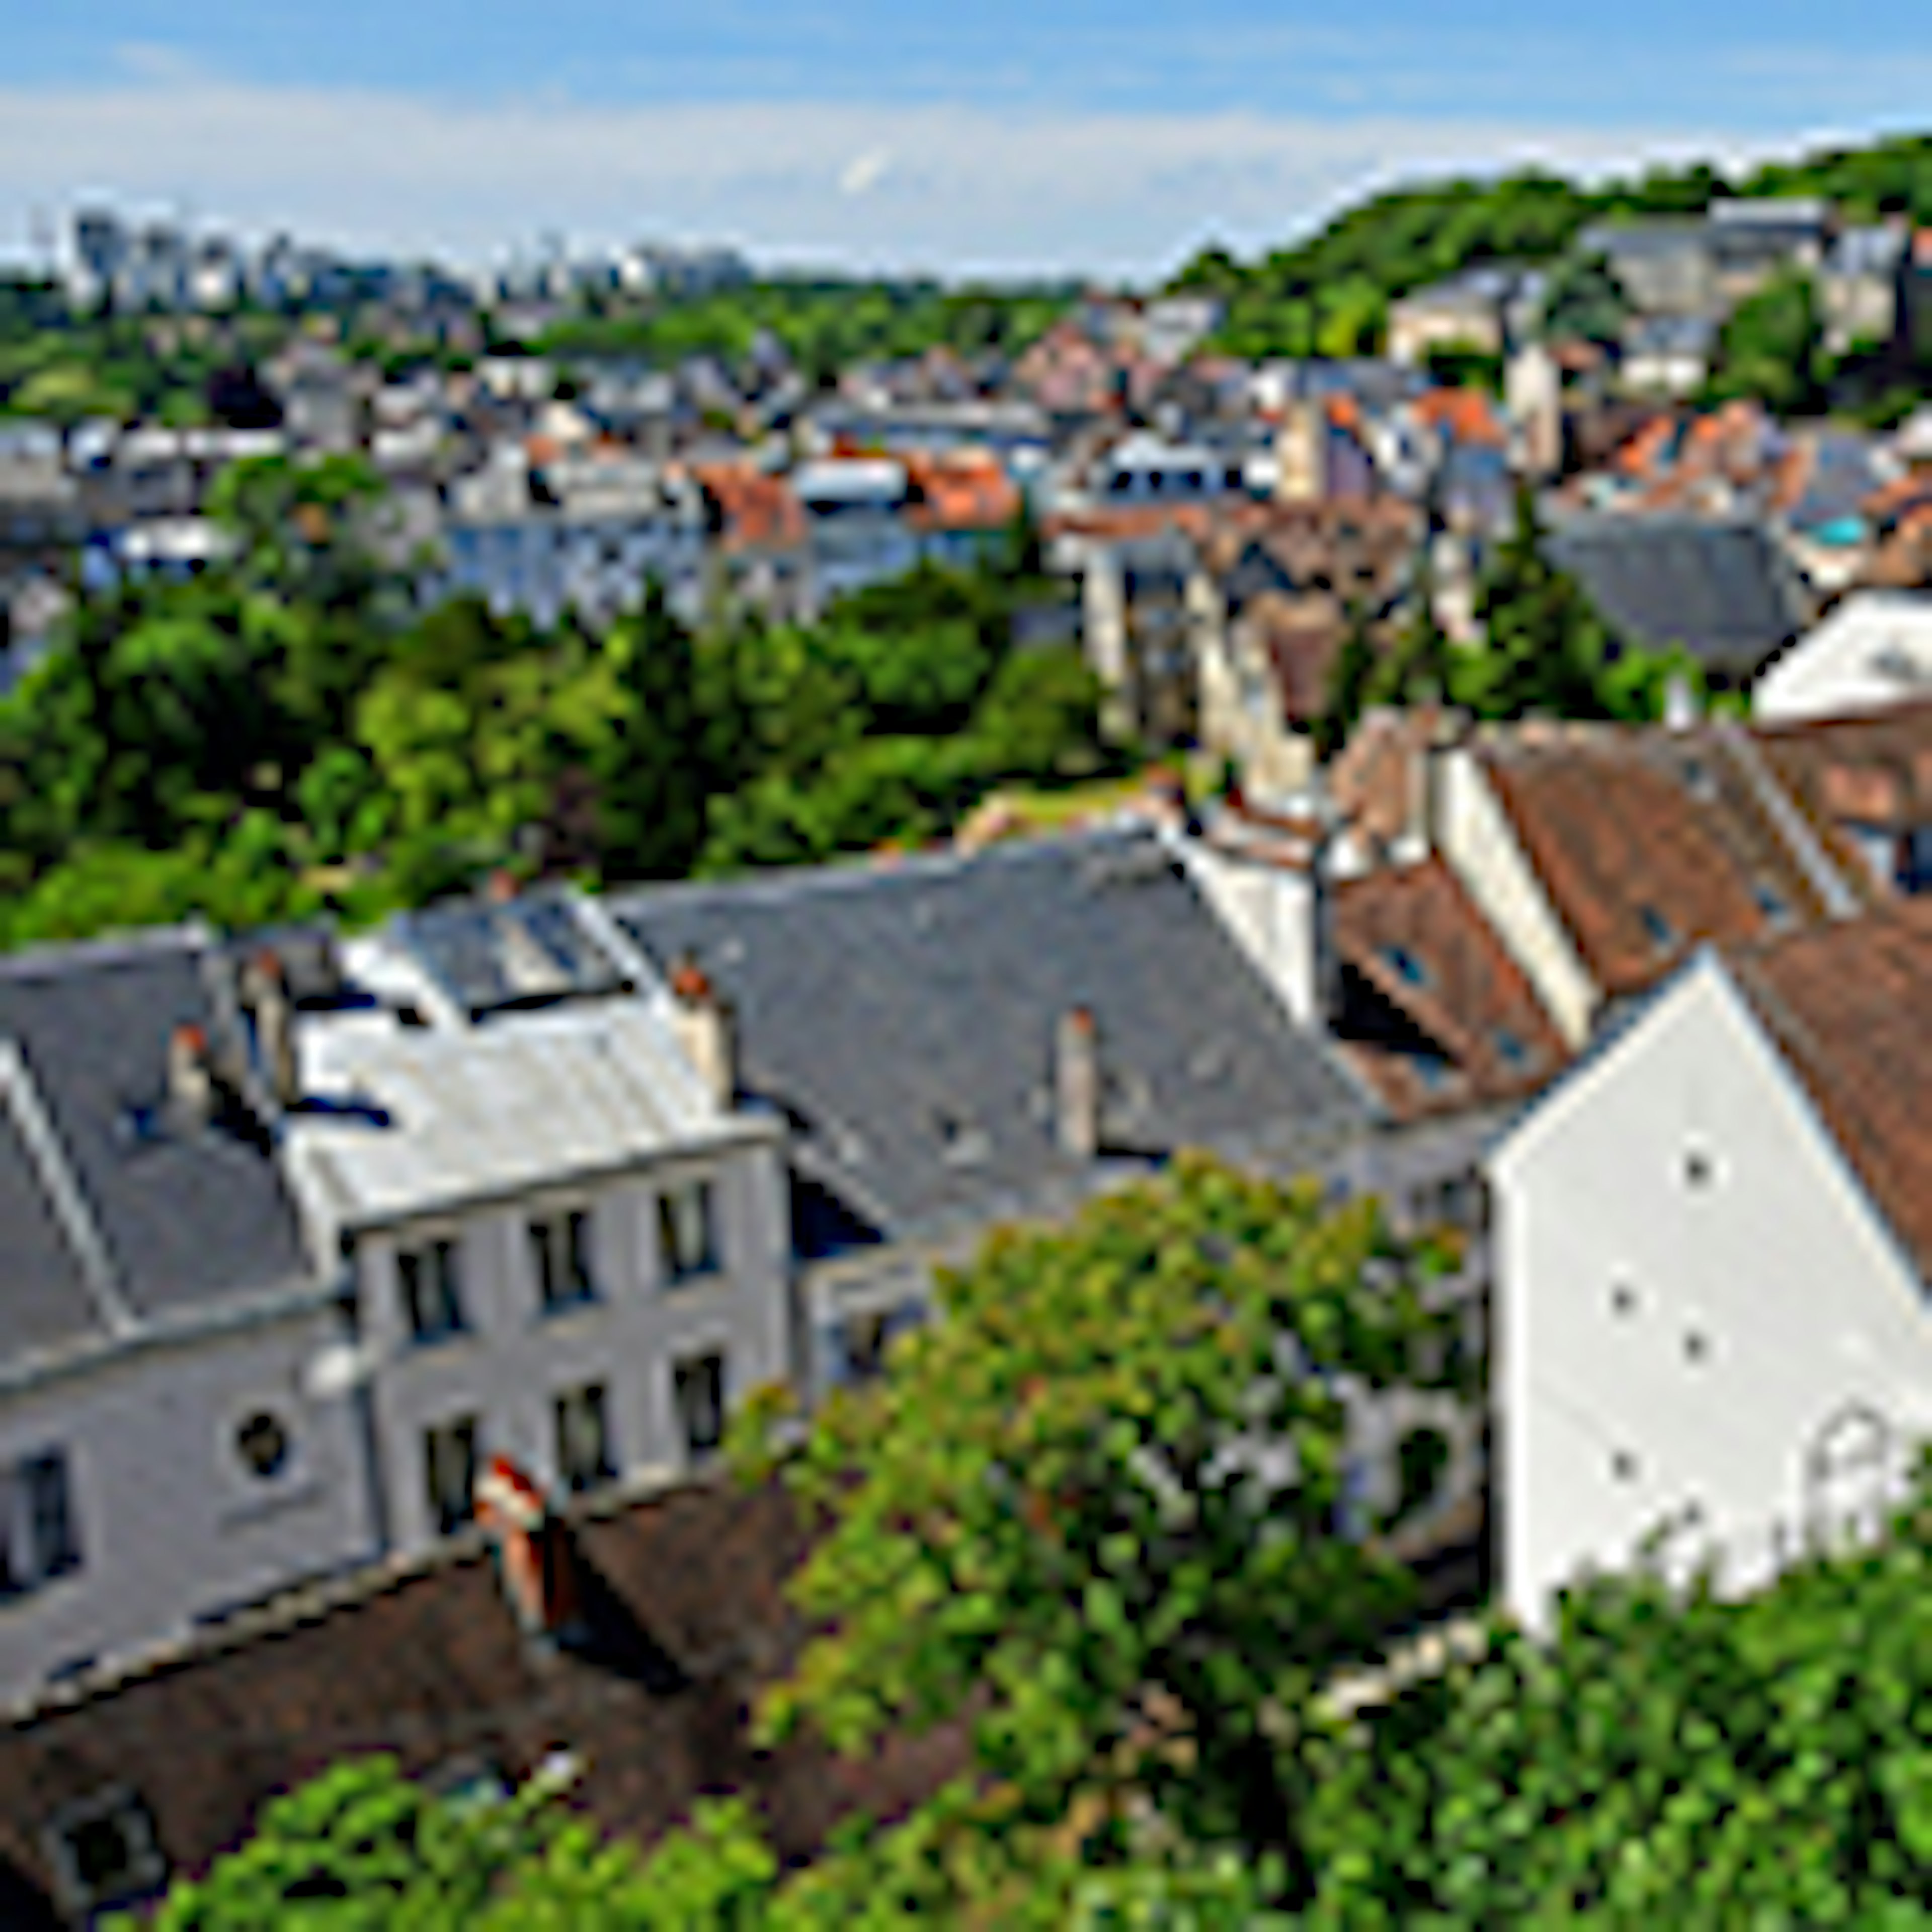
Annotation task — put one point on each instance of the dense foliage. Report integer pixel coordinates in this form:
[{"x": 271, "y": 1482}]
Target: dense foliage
[
  {"x": 823, "y": 326},
  {"x": 1329, "y": 294},
  {"x": 289, "y": 730},
  {"x": 1050, "y": 1520}
]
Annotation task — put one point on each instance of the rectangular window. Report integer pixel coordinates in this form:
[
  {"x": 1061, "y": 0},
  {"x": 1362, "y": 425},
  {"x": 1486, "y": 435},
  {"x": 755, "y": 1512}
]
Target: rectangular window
[
  {"x": 449, "y": 1470},
  {"x": 39, "y": 1538},
  {"x": 104, "y": 1853},
  {"x": 584, "y": 1438},
  {"x": 687, "y": 1238},
  {"x": 699, "y": 1388},
  {"x": 432, "y": 1297},
  {"x": 560, "y": 1250}
]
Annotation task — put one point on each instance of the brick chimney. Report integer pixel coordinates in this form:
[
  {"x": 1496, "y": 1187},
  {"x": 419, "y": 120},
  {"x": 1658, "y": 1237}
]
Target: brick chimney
[
  {"x": 191, "y": 1089},
  {"x": 265, "y": 992},
  {"x": 535, "y": 1563},
  {"x": 1076, "y": 1085},
  {"x": 707, "y": 1031}
]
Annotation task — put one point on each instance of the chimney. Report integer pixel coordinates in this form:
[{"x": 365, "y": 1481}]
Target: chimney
[
  {"x": 1076, "y": 1082},
  {"x": 1681, "y": 708},
  {"x": 501, "y": 887},
  {"x": 706, "y": 1030},
  {"x": 535, "y": 1562},
  {"x": 265, "y": 992},
  {"x": 191, "y": 1093}
]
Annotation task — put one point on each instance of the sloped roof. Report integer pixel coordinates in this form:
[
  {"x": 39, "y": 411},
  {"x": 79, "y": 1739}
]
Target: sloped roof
[
  {"x": 1846, "y": 1004},
  {"x": 905, "y": 1018},
  {"x": 188, "y": 1219},
  {"x": 45, "y": 1297},
  {"x": 1414, "y": 934},
  {"x": 1647, "y": 842},
  {"x": 1720, "y": 589}
]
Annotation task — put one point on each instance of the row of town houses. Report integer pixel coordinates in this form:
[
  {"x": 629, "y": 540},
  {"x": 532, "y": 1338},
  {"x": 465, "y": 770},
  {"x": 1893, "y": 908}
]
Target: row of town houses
[{"x": 311, "y": 1239}]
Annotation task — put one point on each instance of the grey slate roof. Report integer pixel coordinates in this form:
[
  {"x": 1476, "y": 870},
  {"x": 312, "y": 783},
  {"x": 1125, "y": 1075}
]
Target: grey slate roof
[
  {"x": 189, "y": 1219},
  {"x": 1722, "y": 589},
  {"x": 44, "y": 1300},
  {"x": 904, "y": 1018}
]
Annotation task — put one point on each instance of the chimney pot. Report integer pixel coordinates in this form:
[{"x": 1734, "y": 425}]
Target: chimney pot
[
  {"x": 707, "y": 1031},
  {"x": 1077, "y": 1084},
  {"x": 190, "y": 1078},
  {"x": 266, "y": 992}
]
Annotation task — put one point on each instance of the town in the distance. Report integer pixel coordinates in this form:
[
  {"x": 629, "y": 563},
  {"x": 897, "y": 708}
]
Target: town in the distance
[{"x": 878, "y": 1102}]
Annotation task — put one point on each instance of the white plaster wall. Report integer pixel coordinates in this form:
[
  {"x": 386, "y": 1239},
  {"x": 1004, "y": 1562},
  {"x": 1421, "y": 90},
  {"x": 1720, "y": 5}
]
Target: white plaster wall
[
  {"x": 1804, "y": 1302},
  {"x": 516, "y": 1358},
  {"x": 1274, "y": 913},
  {"x": 1475, "y": 835},
  {"x": 1831, "y": 671},
  {"x": 171, "y": 1525}
]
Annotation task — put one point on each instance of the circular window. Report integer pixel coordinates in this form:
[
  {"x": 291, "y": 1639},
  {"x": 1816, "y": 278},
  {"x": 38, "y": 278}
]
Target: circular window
[{"x": 263, "y": 1444}]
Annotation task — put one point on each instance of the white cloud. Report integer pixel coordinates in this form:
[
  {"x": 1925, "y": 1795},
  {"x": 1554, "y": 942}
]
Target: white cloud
[
  {"x": 973, "y": 188},
  {"x": 864, "y": 172}
]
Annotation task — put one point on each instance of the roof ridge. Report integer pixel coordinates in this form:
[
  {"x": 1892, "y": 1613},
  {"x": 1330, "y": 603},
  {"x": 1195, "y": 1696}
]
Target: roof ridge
[{"x": 52, "y": 956}]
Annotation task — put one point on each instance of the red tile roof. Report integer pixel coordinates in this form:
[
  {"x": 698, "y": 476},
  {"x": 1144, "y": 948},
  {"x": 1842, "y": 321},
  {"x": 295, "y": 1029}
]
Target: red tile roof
[
  {"x": 1415, "y": 935},
  {"x": 758, "y": 512},
  {"x": 1647, "y": 843},
  {"x": 1846, "y": 1004}
]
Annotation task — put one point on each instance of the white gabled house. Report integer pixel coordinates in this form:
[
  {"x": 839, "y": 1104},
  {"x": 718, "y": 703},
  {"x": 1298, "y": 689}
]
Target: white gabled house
[{"x": 1712, "y": 1242}]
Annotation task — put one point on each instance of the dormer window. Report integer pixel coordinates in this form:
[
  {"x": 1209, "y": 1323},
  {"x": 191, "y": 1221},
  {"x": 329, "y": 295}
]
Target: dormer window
[{"x": 1510, "y": 1051}]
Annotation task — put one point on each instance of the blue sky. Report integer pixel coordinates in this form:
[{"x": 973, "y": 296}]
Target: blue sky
[{"x": 1108, "y": 138}]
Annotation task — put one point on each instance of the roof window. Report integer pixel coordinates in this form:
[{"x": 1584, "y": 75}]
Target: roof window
[
  {"x": 1663, "y": 935},
  {"x": 1405, "y": 965}
]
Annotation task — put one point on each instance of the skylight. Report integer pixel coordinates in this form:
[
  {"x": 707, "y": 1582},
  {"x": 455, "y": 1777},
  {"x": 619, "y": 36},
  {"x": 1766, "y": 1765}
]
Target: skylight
[
  {"x": 1662, "y": 934},
  {"x": 1406, "y": 965},
  {"x": 1510, "y": 1049}
]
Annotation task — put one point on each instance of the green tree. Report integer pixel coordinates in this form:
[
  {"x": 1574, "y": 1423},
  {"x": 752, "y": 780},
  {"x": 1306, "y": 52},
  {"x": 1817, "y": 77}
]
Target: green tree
[
  {"x": 1095, "y": 1505},
  {"x": 1585, "y": 300},
  {"x": 1771, "y": 346}
]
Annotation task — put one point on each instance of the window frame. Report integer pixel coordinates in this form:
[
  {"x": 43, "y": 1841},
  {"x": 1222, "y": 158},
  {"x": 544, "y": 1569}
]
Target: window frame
[
  {"x": 432, "y": 1262},
  {"x": 147, "y": 1868},
  {"x": 468, "y": 1426},
  {"x": 567, "y": 1405},
  {"x": 562, "y": 1251},
  {"x": 682, "y": 1369},
  {"x": 674, "y": 1269},
  {"x": 37, "y": 1547}
]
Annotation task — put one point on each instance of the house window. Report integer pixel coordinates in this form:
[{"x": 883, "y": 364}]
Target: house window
[
  {"x": 584, "y": 1438},
  {"x": 1623, "y": 1466},
  {"x": 1623, "y": 1298},
  {"x": 432, "y": 1300},
  {"x": 699, "y": 1386},
  {"x": 560, "y": 1251},
  {"x": 40, "y": 1538},
  {"x": 104, "y": 1853},
  {"x": 1696, "y": 1347},
  {"x": 1697, "y": 1168},
  {"x": 1661, "y": 933},
  {"x": 1510, "y": 1050},
  {"x": 262, "y": 1445},
  {"x": 687, "y": 1237},
  {"x": 449, "y": 1472}
]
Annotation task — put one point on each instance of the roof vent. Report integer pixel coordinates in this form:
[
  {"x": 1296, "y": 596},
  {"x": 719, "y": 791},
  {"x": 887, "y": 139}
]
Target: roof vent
[
  {"x": 1077, "y": 1084},
  {"x": 191, "y": 1085}
]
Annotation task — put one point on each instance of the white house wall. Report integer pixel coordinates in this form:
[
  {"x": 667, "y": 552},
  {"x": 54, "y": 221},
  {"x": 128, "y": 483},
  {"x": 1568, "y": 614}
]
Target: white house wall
[
  {"x": 173, "y": 1525},
  {"x": 516, "y": 1358},
  {"x": 1475, "y": 835},
  {"x": 1803, "y": 1303}
]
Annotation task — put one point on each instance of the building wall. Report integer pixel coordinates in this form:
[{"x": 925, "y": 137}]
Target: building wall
[
  {"x": 171, "y": 1525},
  {"x": 1714, "y": 1331},
  {"x": 516, "y": 1358},
  {"x": 1474, "y": 836},
  {"x": 1836, "y": 669}
]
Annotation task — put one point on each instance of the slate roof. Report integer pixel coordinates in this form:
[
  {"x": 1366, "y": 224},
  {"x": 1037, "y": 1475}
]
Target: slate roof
[
  {"x": 1722, "y": 589},
  {"x": 188, "y": 1219},
  {"x": 1846, "y": 1004},
  {"x": 46, "y": 1299},
  {"x": 904, "y": 1018}
]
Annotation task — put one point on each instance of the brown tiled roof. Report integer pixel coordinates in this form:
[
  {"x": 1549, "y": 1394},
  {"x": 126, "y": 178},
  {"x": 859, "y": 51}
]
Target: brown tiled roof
[
  {"x": 1874, "y": 770},
  {"x": 1415, "y": 935},
  {"x": 1647, "y": 842},
  {"x": 1301, "y": 638},
  {"x": 428, "y": 1664},
  {"x": 758, "y": 512},
  {"x": 1372, "y": 781},
  {"x": 1846, "y": 1004}
]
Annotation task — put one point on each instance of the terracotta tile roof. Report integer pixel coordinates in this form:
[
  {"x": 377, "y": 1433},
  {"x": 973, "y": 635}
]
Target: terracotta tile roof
[
  {"x": 968, "y": 491},
  {"x": 1415, "y": 935},
  {"x": 758, "y": 512},
  {"x": 1301, "y": 637},
  {"x": 1846, "y": 1004},
  {"x": 1466, "y": 415},
  {"x": 1372, "y": 781},
  {"x": 1874, "y": 770},
  {"x": 1647, "y": 842}
]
